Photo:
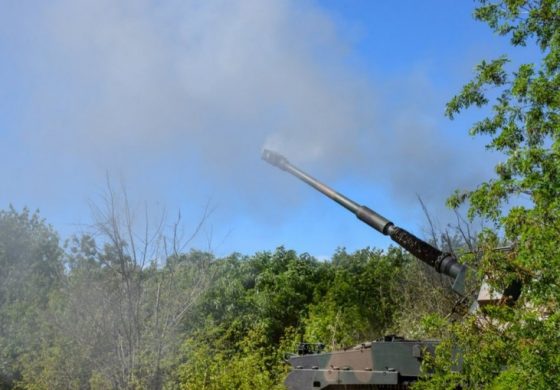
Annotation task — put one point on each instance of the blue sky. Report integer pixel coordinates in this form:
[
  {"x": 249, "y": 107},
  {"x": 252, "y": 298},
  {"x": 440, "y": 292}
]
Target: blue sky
[{"x": 175, "y": 100}]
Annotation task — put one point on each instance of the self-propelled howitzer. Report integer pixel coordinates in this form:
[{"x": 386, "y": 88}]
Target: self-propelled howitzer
[
  {"x": 391, "y": 362},
  {"x": 442, "y": 262}
]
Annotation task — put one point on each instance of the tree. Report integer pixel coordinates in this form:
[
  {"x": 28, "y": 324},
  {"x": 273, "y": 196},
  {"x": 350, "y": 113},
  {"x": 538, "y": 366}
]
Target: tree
[
  {"x": 516, "y": 347},
  {"x": 255, "y": 364},
  {"x": 30, "y": 270},
  {"x": 247, "y": 318},
  {"x": 363, "y": 294},
  {"x": 121, "y": 306}
]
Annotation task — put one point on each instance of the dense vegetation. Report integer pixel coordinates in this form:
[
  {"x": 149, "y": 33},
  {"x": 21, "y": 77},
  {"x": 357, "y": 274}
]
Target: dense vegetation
[
  {"x": 515, "y": 346},
  {"x": 108, "y": 316}
]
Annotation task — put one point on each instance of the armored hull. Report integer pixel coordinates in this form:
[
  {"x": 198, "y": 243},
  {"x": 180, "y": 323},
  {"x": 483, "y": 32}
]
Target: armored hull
[{"x": 392, "y": 363}]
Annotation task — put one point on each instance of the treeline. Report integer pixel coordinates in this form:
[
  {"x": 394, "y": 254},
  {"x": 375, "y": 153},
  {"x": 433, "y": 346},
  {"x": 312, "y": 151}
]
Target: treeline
[{"x": 120, "y": 311}]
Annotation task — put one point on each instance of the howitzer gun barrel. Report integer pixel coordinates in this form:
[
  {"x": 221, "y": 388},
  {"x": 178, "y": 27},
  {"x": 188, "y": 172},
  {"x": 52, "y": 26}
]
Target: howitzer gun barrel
[{"x": 442, "y": 262}]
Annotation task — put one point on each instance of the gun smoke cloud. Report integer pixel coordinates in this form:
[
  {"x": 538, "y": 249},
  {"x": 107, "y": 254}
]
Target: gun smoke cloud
[{"x": 190, "y": 92}]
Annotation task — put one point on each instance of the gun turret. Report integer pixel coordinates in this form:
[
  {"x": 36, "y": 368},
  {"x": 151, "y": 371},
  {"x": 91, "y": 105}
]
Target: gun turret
[{"x": 442, "y": 262}]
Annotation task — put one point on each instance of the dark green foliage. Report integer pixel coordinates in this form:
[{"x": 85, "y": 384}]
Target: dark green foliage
[
  {"x": 30, "y": 269},
  {"x": 230, "y": 345},
  {"x": 271, "y": 290},
  {"x": 362, "y": 297},
  {"x": 516, "y": 347},
  {"x": 259, "y": 307},
  {"x": 525, "y": 121},
  {"x": 251, "y": 363}
]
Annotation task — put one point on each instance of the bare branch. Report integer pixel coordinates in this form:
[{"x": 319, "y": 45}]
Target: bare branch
[{"x": 430, "y": 222}]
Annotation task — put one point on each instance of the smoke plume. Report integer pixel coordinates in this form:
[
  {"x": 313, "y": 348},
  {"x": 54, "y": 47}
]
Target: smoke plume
[{"x": 185, "y": 94}]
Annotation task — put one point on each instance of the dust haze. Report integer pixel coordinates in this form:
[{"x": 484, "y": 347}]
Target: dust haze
[{"x": 191, "y": 91}]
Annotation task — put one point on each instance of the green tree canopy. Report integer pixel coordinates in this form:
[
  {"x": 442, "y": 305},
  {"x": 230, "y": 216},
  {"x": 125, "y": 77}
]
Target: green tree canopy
[
  {"x": 30, "y": 269},
  {"x": 516, "y": 347}
]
